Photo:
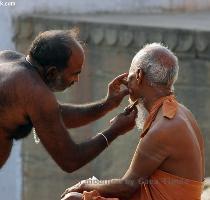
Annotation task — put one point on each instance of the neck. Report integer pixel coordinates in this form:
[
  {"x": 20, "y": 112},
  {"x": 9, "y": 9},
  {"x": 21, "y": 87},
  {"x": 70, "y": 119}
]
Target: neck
[
  {"x": 153, "y": 95},
  {"x": 35, "y": 65}
]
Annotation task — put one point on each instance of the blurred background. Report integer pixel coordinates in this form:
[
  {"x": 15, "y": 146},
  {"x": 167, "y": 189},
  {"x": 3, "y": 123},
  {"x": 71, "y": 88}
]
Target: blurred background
[{"x": 113, "y": 31}]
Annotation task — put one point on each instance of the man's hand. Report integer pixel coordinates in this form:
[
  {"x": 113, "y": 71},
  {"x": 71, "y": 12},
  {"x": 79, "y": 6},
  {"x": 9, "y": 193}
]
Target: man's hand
[
  {"x": 72, "y": 196},
  {"x": 124, "y": 122},
  {"x": 115, "y": 94},
  {"x": 79, "y": 188}
]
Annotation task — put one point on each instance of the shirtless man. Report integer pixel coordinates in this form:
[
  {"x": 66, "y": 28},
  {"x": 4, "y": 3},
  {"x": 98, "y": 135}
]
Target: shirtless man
[
  {"x": 54, "y": 62},
  {"x": 169, "y": 160}
]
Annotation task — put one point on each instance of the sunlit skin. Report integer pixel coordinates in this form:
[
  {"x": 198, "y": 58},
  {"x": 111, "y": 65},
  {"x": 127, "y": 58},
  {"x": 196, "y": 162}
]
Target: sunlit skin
[
  {"x": 27, "y": 101},
  {"x": 158, "y": 149},
  {"x": 132, "y": 86}
]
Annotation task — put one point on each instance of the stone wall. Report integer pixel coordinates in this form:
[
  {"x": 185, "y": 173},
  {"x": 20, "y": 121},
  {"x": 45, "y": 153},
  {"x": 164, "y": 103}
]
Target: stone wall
[
  {"x": 109, "y": 50},
  {"x": 113, "y": 6}
]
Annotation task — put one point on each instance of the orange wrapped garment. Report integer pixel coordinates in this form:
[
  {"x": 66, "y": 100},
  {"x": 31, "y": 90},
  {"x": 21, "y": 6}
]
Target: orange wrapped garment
[
  {"x": 164, "y": 186},
  {"x": 169, "y": 108},
  {"x": 161, "y": 185}
]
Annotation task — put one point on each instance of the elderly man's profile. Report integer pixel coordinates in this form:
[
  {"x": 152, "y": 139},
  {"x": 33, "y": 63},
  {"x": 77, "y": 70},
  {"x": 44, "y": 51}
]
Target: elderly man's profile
[{"x": 168, "y": 162}]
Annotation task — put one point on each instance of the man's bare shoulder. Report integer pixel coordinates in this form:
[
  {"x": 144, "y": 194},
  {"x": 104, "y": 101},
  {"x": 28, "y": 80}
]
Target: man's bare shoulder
[
  {"x": 21, "y": 80},
  {"x": 38, "y": 93},
  {"x": 29, "y": 87},
  {"x": 40, "y": 102},
  {"x": 164, "y": 128}
]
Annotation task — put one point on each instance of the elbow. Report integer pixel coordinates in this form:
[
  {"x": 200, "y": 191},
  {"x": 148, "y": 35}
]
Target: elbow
[
  {"x": 69, "y": 168},
  {"x": 70, "y": 162},
  {"x": 69, "y": 165},
  {"x": 66, "y": 168}
]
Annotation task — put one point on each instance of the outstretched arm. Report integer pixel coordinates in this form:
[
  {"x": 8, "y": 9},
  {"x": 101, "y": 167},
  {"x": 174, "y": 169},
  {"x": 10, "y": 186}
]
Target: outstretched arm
[
  {"x": 48, "y": 123},
  {"x": 79, "y": 115}
]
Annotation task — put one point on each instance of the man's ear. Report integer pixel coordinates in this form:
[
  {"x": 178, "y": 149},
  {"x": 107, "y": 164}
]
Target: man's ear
[
  {"x": 51, "y": 73},
  {"x": 139, "y": 75}
]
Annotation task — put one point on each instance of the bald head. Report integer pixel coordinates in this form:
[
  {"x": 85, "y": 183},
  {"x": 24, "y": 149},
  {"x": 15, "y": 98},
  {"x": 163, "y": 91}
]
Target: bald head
[{"x": 159, "y": 64}]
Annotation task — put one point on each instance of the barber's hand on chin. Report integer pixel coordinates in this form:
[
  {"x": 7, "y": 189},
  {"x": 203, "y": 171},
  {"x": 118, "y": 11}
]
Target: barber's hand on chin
[
  {"x": 115, "y": 93},
  {"x": 124, "y": 122}
]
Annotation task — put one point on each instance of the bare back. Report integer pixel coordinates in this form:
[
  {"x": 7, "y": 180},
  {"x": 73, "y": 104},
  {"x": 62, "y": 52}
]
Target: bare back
[
  {"x": 14, "y": 122},
  {"x": 187, "y": 146}
]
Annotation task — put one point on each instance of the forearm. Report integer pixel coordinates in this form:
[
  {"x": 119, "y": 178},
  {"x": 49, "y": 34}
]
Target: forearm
[
  {"x": 79, "y": 115},
  {"x": 115, "y": 188},
  {"x": 90, "y": 149}
]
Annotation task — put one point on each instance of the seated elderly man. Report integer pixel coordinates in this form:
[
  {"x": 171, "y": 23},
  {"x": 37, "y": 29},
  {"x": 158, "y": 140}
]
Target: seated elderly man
[{"x": 168, "y": 163}]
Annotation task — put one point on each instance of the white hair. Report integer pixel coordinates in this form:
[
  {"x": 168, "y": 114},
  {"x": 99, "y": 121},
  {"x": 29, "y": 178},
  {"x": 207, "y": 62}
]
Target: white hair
[{"x": 158, "y": 63}]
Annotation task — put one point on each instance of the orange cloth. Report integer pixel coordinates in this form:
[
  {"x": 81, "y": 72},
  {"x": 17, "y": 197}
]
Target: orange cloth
[
  {"x": 161, "y": 185},
  {"x": 164, "y": 186},
  {"x": 169, "y": 108}
]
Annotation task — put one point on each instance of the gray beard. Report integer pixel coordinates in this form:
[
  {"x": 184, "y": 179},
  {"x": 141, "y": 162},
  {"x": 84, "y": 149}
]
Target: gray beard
[{"x": 142, "y": 114}]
